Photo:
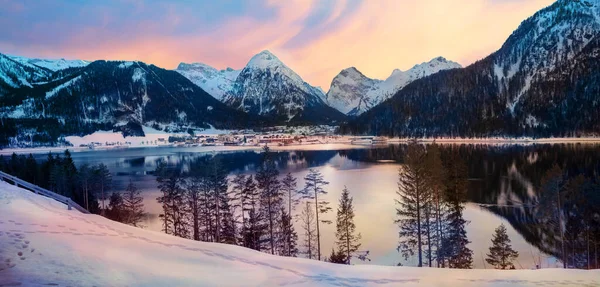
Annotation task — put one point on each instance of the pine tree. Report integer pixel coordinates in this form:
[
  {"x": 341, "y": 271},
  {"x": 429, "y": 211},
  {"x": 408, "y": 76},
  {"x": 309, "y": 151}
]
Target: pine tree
[
  {"x": 288, "y": 237},
  {"x": 314, "y": 183},
  {"x": 254, "y": 229},
  {"x": 218, "y": 185},
  {"x": 501, "y": 253},
  {"x": 552, "y": 206},
  {"x": 169, "y": 183},
  {"x": 414, "y": 196},
  {"x": 454, "y": 246},
  {"x": 133, "y": 205},
  {"x": 193, "y": 199},
  {"x": 228, "y": 231},
  {"x": 310, "y": 233},
  {"x": 270, "y": 194},
  {"x": 32, "y": 170},
  {"x": 241, "y": 202},
  {"x": 288, "y": 185},
  {"x": 347, "y": 240},
  {"x": 103, "y": 179},
  {"x": 115, "y": 207},
  {"x": 338, "y": 257},
  {"x": 436, "y": 175},
  {"x": 85, "y": 180}
]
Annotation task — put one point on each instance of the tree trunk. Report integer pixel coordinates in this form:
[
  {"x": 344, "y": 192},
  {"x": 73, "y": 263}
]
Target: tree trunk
[
  {"x": 562, "y": 237},
  {"x": 420, "y": 248},
  {"x": 271, "y": 239},
  {"x": 347, "y": 239},
  {"x": 439, "y": 229},
  {"x": 318, "y": 232}
]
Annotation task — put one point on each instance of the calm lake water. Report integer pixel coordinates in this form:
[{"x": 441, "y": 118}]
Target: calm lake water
[{"x": 497, "y": 176}]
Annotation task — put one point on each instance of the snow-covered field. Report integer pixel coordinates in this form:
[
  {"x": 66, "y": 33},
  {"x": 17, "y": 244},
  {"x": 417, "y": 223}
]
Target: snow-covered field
[{"x": 43, "y": 244}]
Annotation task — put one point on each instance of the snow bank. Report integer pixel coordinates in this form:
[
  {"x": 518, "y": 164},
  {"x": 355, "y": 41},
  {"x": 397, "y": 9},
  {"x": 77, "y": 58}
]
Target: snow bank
[{"x": 43, "y": 243}]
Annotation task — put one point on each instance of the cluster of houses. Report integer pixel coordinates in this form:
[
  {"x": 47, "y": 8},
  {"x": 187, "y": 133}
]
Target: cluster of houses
[{"x": 274, "y": 136}]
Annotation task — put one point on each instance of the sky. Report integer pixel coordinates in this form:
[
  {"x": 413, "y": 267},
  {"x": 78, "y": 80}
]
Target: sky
[{"x": 316, "y": 38}]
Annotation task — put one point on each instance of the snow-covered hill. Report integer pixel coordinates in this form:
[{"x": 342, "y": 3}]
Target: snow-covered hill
[
  {"x": 215, "y": 82},
  {"x": 51, "y": 64},
  {"x": 353, "y": 93},
  {"x": 44, "y": 244}
]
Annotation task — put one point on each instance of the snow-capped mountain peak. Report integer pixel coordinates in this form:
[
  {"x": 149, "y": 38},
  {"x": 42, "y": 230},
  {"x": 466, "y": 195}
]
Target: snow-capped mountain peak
[
  {"x": 353, "y": 93},
  {"x": 50, "y": 64},
  {"x": 266, "y": 86},
  {"x": 264, "y": 60},
  {"x": 215, "y": 82}
]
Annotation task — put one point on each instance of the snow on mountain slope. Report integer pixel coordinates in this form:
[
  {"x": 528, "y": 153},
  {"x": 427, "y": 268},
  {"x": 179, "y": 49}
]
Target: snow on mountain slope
[
  {"x": 50, "y": 64},
  {"x": 15, "y": 74},
  {"x": 215, "y": 82},
  {"x": 43, "y": 243},
  {"x": 543, "y": 42},
  {"x": 266, "y": 86},
  {"x": 352, "y": 93}
]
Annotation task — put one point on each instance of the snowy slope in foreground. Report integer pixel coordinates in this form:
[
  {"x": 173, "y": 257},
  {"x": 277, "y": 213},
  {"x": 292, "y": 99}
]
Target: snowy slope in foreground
[{"x": 43, "y": 243}]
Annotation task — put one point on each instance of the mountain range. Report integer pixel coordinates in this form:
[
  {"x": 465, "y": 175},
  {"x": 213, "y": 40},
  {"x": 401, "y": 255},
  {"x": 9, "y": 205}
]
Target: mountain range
[
  {"x": 113, "y": 95},
  {"x": 266, "y": 87},
  {"x": 353, "y": 93},
  {"x": 543, "y": 81}
]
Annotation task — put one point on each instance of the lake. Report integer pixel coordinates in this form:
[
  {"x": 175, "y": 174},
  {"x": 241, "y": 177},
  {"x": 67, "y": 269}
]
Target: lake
[{"x": 503, "y": 188}]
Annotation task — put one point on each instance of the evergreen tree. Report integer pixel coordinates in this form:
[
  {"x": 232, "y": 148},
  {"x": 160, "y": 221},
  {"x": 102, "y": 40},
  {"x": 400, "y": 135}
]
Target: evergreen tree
[
  {"x": 171, "y": 200},
  {"x": 218, "y": 186},
  {"x": 501, "y": 253},
  {"x": 347, "y": 240},
  {"x": 70, "y": 172},
  {"x": 454, "y": 246},
  {"x": 310, "y": 233},
  {"x": 288, "y": 237},
  {"x": 133, "y": 205},
  {"x": 288, "y": 185},
  {"x": 270, "y": 194},
  {"x": 194, "y": 204},
  {"x": 414, "y": 196},
  {"x": 552, "y": 201},
  {"x": 314, "y": 183},
  {"x": 115, "y": 208},
  {"x": 436, "y": 175},
  {"x": 237, "y": 192},
  {"x": 104, "y": 182},
  {"x": 86, "y": 182},
  {"x": 32, "y": 170},
  {"x": 254, "y": 229},
  {"x": 338, "y": 257},
  {"x": 228, "y": 231}
]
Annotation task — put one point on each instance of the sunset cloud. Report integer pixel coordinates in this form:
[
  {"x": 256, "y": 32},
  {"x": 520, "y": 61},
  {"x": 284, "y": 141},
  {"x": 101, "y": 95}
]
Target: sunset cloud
[{"x": 315, "y": 38}]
